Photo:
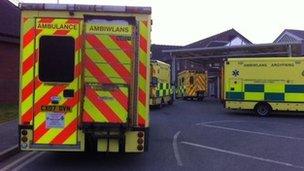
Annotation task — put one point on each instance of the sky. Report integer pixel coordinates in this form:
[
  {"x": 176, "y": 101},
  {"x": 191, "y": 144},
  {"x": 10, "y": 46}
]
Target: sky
[{"x": 181, "y": 22}]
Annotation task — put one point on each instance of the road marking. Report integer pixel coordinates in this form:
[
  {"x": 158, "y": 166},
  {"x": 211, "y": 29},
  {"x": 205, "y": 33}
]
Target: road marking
[
  {"x": 244, "y": 121},
  {"x": 23, "y": 158},
  {"x": 8, "y": 122},
  {"x": 253, "y": 132},
  {"x": 9, "y": 152},
  {"x": 178, "y": 101},
  {"x": 243, "y": 155},
  {"x": 21, "y": 166},
  {"x": 220, "y": 121},
  {"x": 175, "y": 149}
]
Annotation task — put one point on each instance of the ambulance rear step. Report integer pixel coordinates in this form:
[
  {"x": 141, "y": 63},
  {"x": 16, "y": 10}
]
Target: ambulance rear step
[{"x": 106, "y": 132}]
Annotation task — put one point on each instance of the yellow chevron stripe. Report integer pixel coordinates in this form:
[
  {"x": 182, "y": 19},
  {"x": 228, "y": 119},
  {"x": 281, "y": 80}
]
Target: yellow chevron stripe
[
  {"x": 114, "y": 48},
  {"x": 144, "y": 30},
  {"x": 115, "y": 105},
  {"x": 27, "y": 77},
  {"x": 142, "y": 83},
  {"x": 71, "y": 139},
  {"x": 143, "y": 56},
  {"x": 144, "y": 59},
  {"x": 26, "y": 104},
  {"x": 142, "y": 111},
  {"x": 94, "y": 113},
  {"x": 53, "y": 132},
  {"x": 28, "y": 50},
  {"x": 42, "y": 90},
  {"x": 105, "y": 67},
  {"x": 111, "y": 46},
  {"x": 96, "y": 57},
  {"x": 40, "y": 119},
  {"x": 27, "y": 25}
]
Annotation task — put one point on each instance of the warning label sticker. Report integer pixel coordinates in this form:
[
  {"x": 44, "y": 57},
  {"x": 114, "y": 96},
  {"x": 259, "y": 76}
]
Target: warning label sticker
[{"x": 54, "y": 120}]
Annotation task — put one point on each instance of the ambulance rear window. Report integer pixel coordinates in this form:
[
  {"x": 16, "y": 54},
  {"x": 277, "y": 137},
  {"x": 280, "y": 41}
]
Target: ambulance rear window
[{"x": 56, "y": 59}]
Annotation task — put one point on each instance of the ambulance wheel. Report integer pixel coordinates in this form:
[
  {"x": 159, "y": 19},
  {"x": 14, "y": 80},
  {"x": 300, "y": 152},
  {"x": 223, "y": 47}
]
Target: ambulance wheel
[
  {"x": 162, "y": 102},
  {"x": 170, "y": 102},
  {"x": 262, "y": 109},
  {"x": 200, "y": 96}
]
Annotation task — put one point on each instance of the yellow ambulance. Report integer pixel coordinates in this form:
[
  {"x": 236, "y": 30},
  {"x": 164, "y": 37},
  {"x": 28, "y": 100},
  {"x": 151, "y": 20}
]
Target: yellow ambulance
[
  {"x": 192, "y": 84},
  {"x": 161, "y": 91},
  {"x": 84, "y": 78},
  {"x": 264, "y": 84}
]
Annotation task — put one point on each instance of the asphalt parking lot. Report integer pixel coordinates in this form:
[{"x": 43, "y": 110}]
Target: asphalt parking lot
[{"x": 195, "y": 136}]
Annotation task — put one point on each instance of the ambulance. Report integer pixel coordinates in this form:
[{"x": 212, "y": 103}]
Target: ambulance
[
  {"x": 192, "y": 84},
  {"x": 264, "y": 84},
  {"x": 161, "y": 91},
  {"x": 84, "y": 78}
]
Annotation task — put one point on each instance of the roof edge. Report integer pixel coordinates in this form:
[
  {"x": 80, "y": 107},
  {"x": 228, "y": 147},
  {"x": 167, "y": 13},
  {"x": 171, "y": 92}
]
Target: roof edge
[{"x": 227, "y": 47}]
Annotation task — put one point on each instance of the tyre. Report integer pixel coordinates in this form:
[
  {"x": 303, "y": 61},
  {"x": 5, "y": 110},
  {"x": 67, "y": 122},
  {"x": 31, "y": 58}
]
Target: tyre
[
  {"x": 170, "y": 102},
  {"x": 161, "y": 104},
  {"x": 200, "y": 96},
  {"x": 263, "y": 109}
]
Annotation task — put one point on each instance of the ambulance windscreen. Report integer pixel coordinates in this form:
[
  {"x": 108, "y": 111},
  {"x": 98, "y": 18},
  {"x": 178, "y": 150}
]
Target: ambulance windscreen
[{"x": 56, "y": 59}]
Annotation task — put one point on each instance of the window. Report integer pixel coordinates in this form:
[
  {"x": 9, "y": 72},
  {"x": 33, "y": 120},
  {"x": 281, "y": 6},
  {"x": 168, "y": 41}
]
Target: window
[
  {"x": 56, "y": 59},
  {"x": 191, "y": 80},
  {"x": 183, "y": 80}
]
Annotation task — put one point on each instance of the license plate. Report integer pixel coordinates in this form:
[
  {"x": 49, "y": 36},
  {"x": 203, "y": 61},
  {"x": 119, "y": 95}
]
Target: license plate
[
  {"x": 55, "y": 108},
  {"x": 54, "y": 120}
]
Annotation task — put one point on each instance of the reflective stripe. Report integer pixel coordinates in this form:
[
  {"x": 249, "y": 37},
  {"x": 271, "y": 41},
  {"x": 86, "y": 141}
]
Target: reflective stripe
[
  {"x": 144, "y": 57},
  {"x": 109, "y": 57},
  {"x": 93, "y": 112},
  {"x": 28, "y": 58},
  {"x": 102, "y": 106},
  {"x": 98, "y": 76},
  {"x": 106, "y": 63},
  {"x": 40, "y": 129}
]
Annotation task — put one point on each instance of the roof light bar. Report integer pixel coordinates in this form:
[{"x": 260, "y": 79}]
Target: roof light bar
[{"x": 80, "y": 7}]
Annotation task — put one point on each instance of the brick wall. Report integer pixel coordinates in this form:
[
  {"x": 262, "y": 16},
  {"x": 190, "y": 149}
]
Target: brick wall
[{"x": 9, "y": 72}]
